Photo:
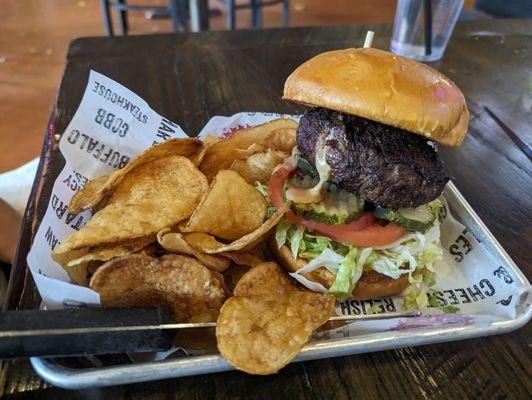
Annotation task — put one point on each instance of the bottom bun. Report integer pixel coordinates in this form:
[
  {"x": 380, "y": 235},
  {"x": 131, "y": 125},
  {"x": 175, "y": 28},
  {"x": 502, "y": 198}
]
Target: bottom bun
[{"x": 371, "y": 284}]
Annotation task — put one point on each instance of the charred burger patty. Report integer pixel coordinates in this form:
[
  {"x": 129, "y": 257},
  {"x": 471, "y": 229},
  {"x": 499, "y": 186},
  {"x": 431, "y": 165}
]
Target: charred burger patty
[{"x": 379, "y": 163}]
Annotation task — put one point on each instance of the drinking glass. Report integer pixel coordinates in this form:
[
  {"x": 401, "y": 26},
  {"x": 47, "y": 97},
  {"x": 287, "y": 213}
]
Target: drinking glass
[{"x": 422, "y": 28}]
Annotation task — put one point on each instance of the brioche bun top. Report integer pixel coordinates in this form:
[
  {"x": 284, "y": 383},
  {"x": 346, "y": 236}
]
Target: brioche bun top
[{"x": 383, "y": 87}]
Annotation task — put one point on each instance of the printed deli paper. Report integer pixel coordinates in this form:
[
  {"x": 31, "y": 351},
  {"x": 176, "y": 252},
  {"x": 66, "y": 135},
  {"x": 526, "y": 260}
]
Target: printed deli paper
[{"x": 113, "y": 124}]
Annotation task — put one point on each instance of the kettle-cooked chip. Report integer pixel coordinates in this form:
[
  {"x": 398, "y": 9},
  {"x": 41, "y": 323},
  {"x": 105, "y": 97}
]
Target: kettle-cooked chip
[
  {"x": 231, "y": 209},
  {"x": 79, "y": 274},
  {"x": 267, "y": 322},
  {"x": 243, "y": 258},
  {"x": 176, "y": 243},
  {"x": 104, "y": 252},
  {"x": 154, "y": 196},
  {"x": 211, "y": 139},
  {"x": 251, "y": 239},
  {"x": 221, "y": 155},
  {"x": 266, "y": 279},
  {"x": 208, "y": 243},
  {"x": 254, "y": 148},
  {"x": 180, "y": 283},
  {"x": 97, "y": 189},
  {"x": 282, "y": 139},
  {"x": 202, "y": 241},
  {"x": 234, "y": 274},
  {"x": 259, "y": 167}
]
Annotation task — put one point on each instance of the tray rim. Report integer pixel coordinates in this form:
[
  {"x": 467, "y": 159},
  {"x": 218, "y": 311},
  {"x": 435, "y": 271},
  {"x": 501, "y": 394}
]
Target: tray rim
[{"x": 73, "y": 378}]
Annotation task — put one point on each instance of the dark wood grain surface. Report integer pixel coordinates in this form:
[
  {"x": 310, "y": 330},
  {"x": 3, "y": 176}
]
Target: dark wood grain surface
[{"x": 192, "y": 77}]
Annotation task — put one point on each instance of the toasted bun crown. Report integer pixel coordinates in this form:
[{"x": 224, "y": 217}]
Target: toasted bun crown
[{"x": 383, "y": 87}]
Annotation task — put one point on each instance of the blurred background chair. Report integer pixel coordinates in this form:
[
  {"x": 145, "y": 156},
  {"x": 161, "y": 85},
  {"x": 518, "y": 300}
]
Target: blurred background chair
[
  {"x": 197, "y": 11},
  {"x": 176, "y": 10},
  {"x": 256, "y": 7}
]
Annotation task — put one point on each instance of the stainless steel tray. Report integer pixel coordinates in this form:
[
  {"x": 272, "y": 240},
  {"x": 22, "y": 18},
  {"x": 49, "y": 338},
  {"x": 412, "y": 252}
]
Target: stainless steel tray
[{"x": 72, "y": 378}]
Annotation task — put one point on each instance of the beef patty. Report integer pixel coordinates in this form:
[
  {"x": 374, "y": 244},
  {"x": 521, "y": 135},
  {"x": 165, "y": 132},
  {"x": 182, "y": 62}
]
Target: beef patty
[{"x": 379, "y": 163}]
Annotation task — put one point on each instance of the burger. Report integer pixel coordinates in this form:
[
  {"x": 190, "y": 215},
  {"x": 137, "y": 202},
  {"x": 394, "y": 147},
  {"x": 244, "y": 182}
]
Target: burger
[{"x": 365, "y": 179}]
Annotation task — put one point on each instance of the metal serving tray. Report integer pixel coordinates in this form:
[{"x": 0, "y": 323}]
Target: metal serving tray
[{"x": 75, "y": 378}]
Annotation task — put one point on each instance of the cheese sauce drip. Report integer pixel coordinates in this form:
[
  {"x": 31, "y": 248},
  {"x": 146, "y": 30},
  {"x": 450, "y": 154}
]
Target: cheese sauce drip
[{"x": 314, "y": 194}]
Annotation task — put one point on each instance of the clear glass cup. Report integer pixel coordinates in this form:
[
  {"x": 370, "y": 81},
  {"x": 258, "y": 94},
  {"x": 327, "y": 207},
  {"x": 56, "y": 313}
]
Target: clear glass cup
[{"x": 422, "y": 28}]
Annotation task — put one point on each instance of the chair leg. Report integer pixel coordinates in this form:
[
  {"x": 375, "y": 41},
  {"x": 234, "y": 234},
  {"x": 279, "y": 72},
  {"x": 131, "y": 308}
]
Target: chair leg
[
  {"x": 286, "y": 12},
  {"x": 255, "y": 6},
  {"x": 231, "y": 14},
  {"x": 182, "y": 13},
  {"x": 258, "y": 17},
  {"x": 107, "y": 22},
  {"x": 174, "y": 15},
  {"x": 122, "y": 19}
]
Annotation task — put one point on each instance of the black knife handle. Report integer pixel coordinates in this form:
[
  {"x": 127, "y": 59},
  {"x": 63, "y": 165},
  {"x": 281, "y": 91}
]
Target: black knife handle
[{"x": 83, "y": 343}]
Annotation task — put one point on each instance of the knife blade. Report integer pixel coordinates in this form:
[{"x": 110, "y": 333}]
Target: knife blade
[{"x": 84, "y": 331}]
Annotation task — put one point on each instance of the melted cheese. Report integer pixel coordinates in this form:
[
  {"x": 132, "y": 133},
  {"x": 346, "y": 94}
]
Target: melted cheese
[{"x": 313, "y": 195}]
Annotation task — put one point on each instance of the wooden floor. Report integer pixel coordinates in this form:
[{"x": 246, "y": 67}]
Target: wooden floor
[{"x": 34, "y": 36}]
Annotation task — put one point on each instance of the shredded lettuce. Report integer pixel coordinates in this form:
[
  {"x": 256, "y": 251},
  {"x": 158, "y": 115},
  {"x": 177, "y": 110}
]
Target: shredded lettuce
[
  {"x": 328, "y": 259},
  {"x": 436, "y": 206},
  {"x": 296, "y": 240},
  {"x": 281, "y": 232},
  {"x": 429, "y": 277},
  {"x": 415, "y": 250},
  {"x": 450, "y": 309},
  {"x": 315, "y": 246},
  {"x": 263, "y": 189},
  {"x": 418, "y": 250},
  {"x": 346, "y": 275},
  {"x": 433, "y": 302},
  {"x": 415, "y": 299},
  {"x": 349, "y": 272}
]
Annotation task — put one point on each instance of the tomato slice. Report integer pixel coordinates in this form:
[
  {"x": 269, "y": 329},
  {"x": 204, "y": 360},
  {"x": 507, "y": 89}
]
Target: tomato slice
[
  {"x": 364, "y": 232},
  {"x": 276, "y": 184},
  {"x": 372, "y": 235}
]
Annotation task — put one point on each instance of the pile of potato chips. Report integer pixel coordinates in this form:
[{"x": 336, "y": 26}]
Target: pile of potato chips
[{"x": 183, "y": 226}]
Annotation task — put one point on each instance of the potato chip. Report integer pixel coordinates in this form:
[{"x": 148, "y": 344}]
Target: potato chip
[
  {"x": 102, "y": 253},
  {"x": 197, "y": 157},
  {"x": 175, "y": 242},
  {"x": 234, "y": 273},
  {"x": 92, "y": 266},
  {"x": 254, "y": 148},
  {"x": 259, "y": 166},
  {"x": 221, "y": 155},
  {"x": 154, "y": 196},
  {"x": 97, "y": 189},
  {"x": 94, "y": 191},
  {"x": 282, "y": 139},
  {"x": 243, "y": 258},
  {"x": 202, "y": 241},
  {"x": 180, "y": 283},
  {"x": 211, "y": 139},
  {"x": 79, "y": 274},
  {"x": 266, "y": 279},
  {"x": 231, "y": 209},
  {"x": 251, "y": 239},
  {"x": 267, "y": 322}
]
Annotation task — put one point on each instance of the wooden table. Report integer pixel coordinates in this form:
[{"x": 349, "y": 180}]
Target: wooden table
[{"x": 192, "y": 77}]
